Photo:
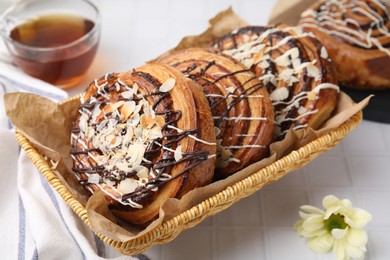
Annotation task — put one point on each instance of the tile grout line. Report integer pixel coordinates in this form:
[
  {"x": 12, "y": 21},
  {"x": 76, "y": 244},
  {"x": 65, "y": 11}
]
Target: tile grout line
[
  {"x": 387, "y": 137},
  {"x": 267, "y": 253},
  {"x": 214, "y": 238}
]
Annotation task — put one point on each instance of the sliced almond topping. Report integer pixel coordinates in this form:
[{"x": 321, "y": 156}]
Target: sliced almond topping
[
  {"x": 127, "y": 109},
  {"x": 83, "y": 123},
  {"x": 111, "y": 108},
  {"x": 311, "y": 95},
  {"x": 160, "y": 121},
  {"x": 95, "y": 113},
  {"x": 155, "y": 133},
  {"x": 127, "y": 186},
  {"x": 313, "y": 71},
  {"x": 230, "y": 89},
  {"x": 248, "y": 62},
  {"x": 109, "y": 182},
  {"x": 257, "y": 48},
  {"x": 94, "y": 178},
  {"x": 264, "y": 64},
  {"x": 301, "y": 110},
  {"x": 283, "y": 61},
  {"x": 293, "y": 79},
  {"x": 178, "y": 153},
  {"x": 146, "y": 109},
  {"x": 324, "y": 53},
  {"x": 135, "y": 88},
  {"x": 150, "y": 121},
  {"x": 142, "y": 172},
  {"x": 286, "y": 74},
  {"x": 143, "y": 122},
  {"x": 117, "y": 141},
  {"x": 110, "y": 139},
  {"x": 296, "y": 63},
  {"x": 279, "y": 94},
  {"x": 138, "y": 153},
  {"x": 167, "y": 85},
  {"x": 127, "y": 94},
  {"x": 129, "y": 135},
  {"x": 138, "y": 132},
  {"x": 294, "y": 53}
]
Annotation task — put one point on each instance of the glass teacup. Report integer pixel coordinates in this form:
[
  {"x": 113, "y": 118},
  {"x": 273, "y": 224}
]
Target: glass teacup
[{"x": 53, "y": 40}]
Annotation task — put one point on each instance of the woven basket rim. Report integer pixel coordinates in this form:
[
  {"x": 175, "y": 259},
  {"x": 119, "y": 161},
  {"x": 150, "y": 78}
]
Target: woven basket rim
[{"x": 169, "y": 229}]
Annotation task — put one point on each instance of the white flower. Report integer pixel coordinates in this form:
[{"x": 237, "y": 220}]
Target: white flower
[{"x": 339, "y": 226}]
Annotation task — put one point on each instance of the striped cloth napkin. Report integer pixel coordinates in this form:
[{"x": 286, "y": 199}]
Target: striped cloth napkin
[{"x": 35, "y": 222}]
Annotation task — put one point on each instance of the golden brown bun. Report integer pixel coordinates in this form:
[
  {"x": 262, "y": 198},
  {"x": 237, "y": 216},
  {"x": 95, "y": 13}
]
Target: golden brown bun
[
  {"x": 301, "y": 83},
  {"x": 241, "y": 108},
  {"x": 345, "y": 32},
  {"x": 172, "y": 113}
]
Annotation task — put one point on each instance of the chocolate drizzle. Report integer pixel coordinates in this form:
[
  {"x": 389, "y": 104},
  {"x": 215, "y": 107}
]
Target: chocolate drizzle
[
  {"x": 158, "y": 156},
  {"x": 361, "y": 23},
  {"x": 202, "y": 79},
  {"x": 290, "y": 64},
  {"x": 236, "y": 98},
  {"x": 194, "y": 159}
]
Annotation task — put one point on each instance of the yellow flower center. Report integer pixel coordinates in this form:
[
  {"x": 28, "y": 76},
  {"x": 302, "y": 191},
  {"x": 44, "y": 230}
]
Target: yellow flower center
[{"x": 335, "y": 221}]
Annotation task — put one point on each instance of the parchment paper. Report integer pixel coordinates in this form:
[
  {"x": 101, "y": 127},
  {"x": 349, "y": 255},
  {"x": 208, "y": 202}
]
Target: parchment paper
[
  {"x": 288, "y": 11},
  {"x": 48, "y": 126}
]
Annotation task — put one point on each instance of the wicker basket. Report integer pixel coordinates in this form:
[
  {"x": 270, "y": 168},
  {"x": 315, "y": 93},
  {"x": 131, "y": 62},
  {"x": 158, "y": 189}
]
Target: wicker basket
[{"x": 171, "y": 228}]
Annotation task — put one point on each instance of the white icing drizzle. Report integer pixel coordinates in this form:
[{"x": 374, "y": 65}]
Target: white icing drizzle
[
  {"x": 295, "y": 128},
  {"x": 191, "y": 136},
  {"x": 337, "y": 26},
  {"x": 246, "y": 135},
  {"x": 244, "y": 146},
  {"x": 122, "y": 152},
  {"x": 239, "y": 118},
  {"x": 325, "y": 86},
  {"x": 234, "y": 96},
  {"x": 300, "y": 116},
  {"x": 232, "y": 159},
  {"x": 287, "y": 39},
  {"x": 164, "y": 147},
  {"x": 128, "y": 202},
  {"x": 289, "y": 67}
]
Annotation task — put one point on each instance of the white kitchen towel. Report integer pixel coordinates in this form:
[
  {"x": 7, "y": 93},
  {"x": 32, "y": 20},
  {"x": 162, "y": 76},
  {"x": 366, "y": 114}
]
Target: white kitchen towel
[{"x": 35, "y": 222}]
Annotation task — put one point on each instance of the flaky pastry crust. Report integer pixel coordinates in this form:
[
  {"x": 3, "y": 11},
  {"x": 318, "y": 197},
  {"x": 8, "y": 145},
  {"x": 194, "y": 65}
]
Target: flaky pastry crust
[
  {"x": 356, "y": 35},
  {"x": 142, "y": 137},
  {"x": 295, "y": 69},
  {"x": 240, "y": 104}
]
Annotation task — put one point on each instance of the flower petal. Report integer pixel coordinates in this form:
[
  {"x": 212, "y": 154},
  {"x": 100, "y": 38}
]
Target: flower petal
[
  {"x": 321, "y": 244},
  {"x": 353, "y": 252},
  {"x": 357, "y": 237},
  {"x": 346, "y": 203},
  {"x": 339, "y": 249},
  {"x": 313, "y": 223},
  {"x": 330, "y": 201},
  {"x": 332, "y": 210},
  {"x": 298, "y": 226},
  {"x": 304, "y": 215},
  {"x": 312, "y": 209},
  {"x": 358, "y": 218},
  {"x": 309, "y": 233},
  {"x": 338, "y": 233}
]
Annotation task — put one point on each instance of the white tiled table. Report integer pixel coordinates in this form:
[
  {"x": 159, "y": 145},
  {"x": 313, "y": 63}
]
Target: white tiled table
[{"x": 258, "y": 227}]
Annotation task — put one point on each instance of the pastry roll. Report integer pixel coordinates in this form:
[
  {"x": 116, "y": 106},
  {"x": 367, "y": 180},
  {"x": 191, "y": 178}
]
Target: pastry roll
[
  {"x": 240, "y": 104},
  {"x": 356, "y": 35},
  {"x": 293, "y": 66},
  {"x": 142, "y": 137}
]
